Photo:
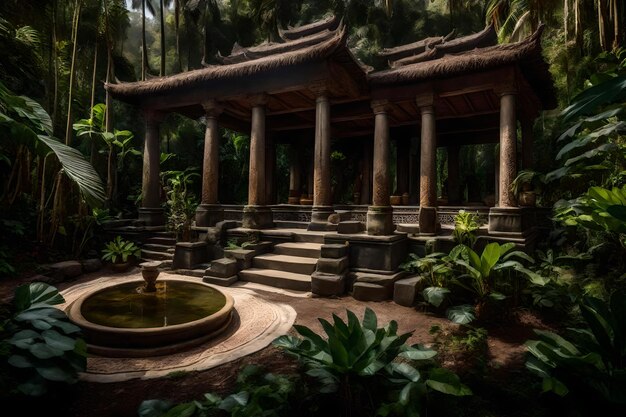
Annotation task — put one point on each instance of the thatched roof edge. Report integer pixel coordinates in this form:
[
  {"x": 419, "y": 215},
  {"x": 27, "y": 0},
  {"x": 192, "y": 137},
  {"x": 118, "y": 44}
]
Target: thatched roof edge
[
  {"x": 527, "y": 53},
  {"x": 320, "y": 51},
  {"x": 292, "y": 33}
]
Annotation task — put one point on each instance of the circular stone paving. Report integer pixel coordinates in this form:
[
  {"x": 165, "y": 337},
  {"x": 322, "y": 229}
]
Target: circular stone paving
[{"x": 255, "y": 325}]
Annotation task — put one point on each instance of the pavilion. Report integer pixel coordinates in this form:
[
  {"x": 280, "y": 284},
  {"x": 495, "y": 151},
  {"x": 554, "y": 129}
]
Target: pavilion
[{"x": 440, "y": 91}]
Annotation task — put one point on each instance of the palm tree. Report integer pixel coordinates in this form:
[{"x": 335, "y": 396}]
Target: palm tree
[{"x": 143, "y": 4}]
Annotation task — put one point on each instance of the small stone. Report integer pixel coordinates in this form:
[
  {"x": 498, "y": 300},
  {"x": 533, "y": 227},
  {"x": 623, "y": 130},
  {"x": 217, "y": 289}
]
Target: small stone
[
  {"x": 224, "y": 267},
  {"x": 334, "y": 218},
  {"x": 65, "y": 270},
  {"x": 364, "y": 291},
  {"x": 333, "y": 266},
  {"x": 327, "y": 284},
  {"x": 349, "y": 227},
  {"x": 334, "y": 250},
  {"x": 405, "y": 290},
  {"x": 92, "y": 265}
]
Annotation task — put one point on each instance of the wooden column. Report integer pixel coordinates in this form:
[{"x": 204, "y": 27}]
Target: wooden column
[
  {"x": 379, "y": 214},
  {"x": 428, "y": 159},
  {"x": 454, "y": 188},
  {"x": 322, "y": 197},
  {"x": 209, "y": 212},
  {"x": 508, "y": 145},
  {"x": 151, "y": 212},
  {"x": 256, "y": 215}
]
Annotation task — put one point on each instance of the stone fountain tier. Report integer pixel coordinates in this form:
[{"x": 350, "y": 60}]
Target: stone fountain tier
[{"x": 109, "y": 341}]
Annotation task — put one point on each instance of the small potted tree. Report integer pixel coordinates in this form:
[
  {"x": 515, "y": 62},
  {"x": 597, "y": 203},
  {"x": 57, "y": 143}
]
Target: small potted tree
[
  {"x": 121, "y": 253},
  {"x": 526, "y": 186}
]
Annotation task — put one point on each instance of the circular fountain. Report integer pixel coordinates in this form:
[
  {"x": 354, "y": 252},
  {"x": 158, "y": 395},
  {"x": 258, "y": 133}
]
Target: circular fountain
[{"x": 138, "y": 318}]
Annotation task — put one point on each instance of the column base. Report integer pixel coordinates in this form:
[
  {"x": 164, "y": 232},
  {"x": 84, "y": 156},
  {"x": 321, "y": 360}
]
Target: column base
[
  {"x": 380, "y": 220},
  {"x": 257, "y": 217},
  {"x": 319, "y": 218},
  {"x": 151, "y": 216},
  {"x": 510, "y": 221},
  {"x": 207, "y": 215},
  {"x": 428, "y": 221}
]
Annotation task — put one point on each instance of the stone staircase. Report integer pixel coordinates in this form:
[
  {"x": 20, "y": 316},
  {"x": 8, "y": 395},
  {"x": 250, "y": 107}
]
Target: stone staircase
[
  {"x": 290, "y": 265},
  {"x": 159, "y": 247}
]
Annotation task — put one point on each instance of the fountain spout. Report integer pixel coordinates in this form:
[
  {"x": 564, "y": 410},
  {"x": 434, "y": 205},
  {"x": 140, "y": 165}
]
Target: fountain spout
[{"x": 150, "y": 273}]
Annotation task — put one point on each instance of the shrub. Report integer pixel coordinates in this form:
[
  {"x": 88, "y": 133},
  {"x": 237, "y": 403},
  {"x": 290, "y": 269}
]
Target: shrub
[
  {"x": 119, "y": 250},
  {"x": 465, "y": 226}
]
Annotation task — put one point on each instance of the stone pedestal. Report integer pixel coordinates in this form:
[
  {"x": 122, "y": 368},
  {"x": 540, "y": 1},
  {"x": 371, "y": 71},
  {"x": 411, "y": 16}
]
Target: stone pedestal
[
  {"x": 375, "y": 254},
  {"x": 207, "y": 215},
  {"x": 319, "y": 218},
  {"x": 510, "y": 221},
  {"x": 189, "y": 254},
  {"x": 257, "y": 217},
  {"x": 380, "y": 220},
  {"x": 222, "y": 272},
  {"x": 150, "y": 216},
  {"x": 329, "y": 277},
  {"x": 428, "y": 222}
]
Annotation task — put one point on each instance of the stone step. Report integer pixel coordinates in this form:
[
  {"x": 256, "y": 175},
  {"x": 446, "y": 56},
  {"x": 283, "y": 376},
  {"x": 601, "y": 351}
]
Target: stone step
[
  {"x": 152, "y": 255},
  {"x": 286, "y": 263},
  {"x": 196, "y": 272},
  {"x": 279, "y": 279},
  {"x": 156, "y": 247},
  {"x": 310, "y": 237},
  {"x": 158, "y": 240},
  {"x": 303, "y": 249},
  {"x": 290, "y": 224}
]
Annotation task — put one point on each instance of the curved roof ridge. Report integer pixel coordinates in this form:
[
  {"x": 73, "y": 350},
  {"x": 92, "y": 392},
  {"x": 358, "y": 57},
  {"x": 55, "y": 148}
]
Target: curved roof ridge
[{"x": 292, "y": 33}]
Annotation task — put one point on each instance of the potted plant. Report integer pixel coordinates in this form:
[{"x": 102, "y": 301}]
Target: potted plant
[
  {"x": 120, "y": 253},
  {"x": 526, "y": 186}
]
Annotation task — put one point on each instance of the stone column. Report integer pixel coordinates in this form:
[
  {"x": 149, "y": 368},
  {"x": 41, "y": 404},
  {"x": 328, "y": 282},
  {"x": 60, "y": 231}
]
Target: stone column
[
  {"x": 527, "y": 144},
  {"x": 507, "y": 219},
  {"x": 508, "y": 151},
  {"x": 428, "y": 222},
  {"x": 255, "y": 214},
  {"x": 454, "y": 188},
  {"x": 380, "y": 213},
  {"x": 209, "y": 211},
  {"x": 294, "y": 176},
  {"x": 322, "y": 198},
  {"x": 150, "y": 212}
]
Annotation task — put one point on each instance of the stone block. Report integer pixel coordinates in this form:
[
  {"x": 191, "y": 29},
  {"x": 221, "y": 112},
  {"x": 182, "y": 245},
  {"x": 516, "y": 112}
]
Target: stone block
[
  {"x": 334, "y": 250},
  {"x": 365, "y": 291},
  {"x": 208, "y": 215},
  {"x": 380, "y": 221},
  {"x": 380, "y": 253},
  {"x": 242, "y": 256},
  {"x": 333, "y": 266},
  {"x": 349, "y": 227},
  {"x": 327, "y": 284},
  {"x": 91, "y": 265},
  {"x": 222, "y": 281},
  {"x": 428, "y": 222},
  {"x": 224, "y": 267},
  {"x": 378, "y": 279},
  {"x": 189, "y": 254},
  {"x": 405, "y": 290},
  {"x": 334, "y": 218},
  {"x": 257, "y": 217},
  {"x": 65, "y": 270}
]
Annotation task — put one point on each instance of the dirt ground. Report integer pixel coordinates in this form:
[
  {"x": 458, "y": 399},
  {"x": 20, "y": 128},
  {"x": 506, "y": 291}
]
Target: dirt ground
[{"x": 505, "y": 342}]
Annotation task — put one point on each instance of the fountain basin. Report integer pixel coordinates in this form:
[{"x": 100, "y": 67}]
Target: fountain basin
[{"x": 119, "y": 320}]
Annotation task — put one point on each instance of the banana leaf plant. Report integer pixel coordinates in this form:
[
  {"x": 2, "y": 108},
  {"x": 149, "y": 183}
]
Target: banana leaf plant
[
  {"x": 365, "y": 364},
  {"x": 591, "y": 362}
]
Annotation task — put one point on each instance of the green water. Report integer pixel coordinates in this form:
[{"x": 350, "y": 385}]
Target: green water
[{"x": 175, "y": 302}]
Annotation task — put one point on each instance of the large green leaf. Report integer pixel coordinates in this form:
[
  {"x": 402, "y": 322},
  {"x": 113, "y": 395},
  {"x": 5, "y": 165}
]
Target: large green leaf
[
  {"x": 79, "y": 170},
  {"x": 611, "y": 91},
  {"x": 369, "y": 319},
  {"x": 448, "y": 382},
  {"x": 489, "y": 257},
  {"x": 435, "y": 295},
  {"x": 36, "y": 294},
  {"x": 462, "y": 314},
  {"x": 58, "y": 341}
]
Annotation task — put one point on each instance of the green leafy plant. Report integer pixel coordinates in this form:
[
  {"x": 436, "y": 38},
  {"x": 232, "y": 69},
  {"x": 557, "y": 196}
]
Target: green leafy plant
[
  {"x": 593, "y": 360},
  {"x": 465, "y": 226},
  {"x": 120, "y": 250},
  {"x": 181, "y": 204},
  {"x": 41, "y": 346},
  {"x": 368, "y": 366},
  {"x": 258, "y": 394},
  {"x": 527, "y": 180},
  {"x": 480, "y": 277}
]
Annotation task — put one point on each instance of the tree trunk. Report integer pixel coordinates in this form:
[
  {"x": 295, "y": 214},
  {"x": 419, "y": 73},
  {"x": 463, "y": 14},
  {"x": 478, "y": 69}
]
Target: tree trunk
[
  {"x": 68, "y": 130},
  {"x": 55, "y": 99},
  {"x": 616, "y": 25},
  {"x": 162, "y": 12},
  {"x": 108, "y": 118},
  {"x": 144, "y": 51},
  {"x": 92, "y": 155},
  {"x": 177, "y": 26}
]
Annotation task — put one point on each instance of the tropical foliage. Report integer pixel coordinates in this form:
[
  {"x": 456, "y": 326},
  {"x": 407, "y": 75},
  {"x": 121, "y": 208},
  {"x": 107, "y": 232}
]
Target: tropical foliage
[{"x": 120, "y": 250}]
